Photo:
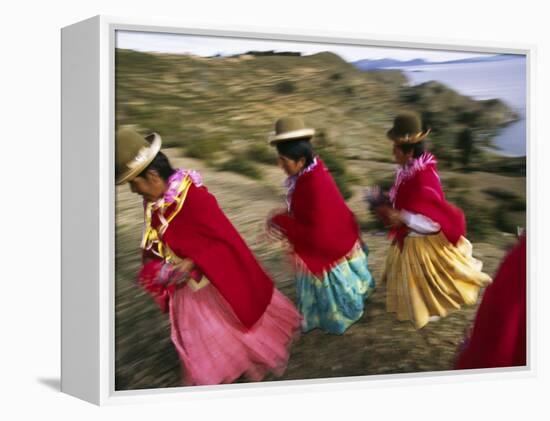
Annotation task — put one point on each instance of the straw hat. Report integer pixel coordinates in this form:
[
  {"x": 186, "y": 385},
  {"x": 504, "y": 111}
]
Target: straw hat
[
  {"x": 407, "y": 129},
  {"x": 290, "y": 128},
  {"x": 133, "y": 153}
]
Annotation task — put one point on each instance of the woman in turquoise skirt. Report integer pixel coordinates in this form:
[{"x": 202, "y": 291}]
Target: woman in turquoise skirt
[{"x": 332, "y": 275}]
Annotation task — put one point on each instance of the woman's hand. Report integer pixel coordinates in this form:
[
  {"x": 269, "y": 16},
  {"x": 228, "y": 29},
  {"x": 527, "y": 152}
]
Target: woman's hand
[
  {"x": 389, "y": 216},
  {"x": 182, "y": 270},
  {"x": 394, "y": 218},
  {"x": 371, "y": 196},
  {"x": 273, "y": 230}
]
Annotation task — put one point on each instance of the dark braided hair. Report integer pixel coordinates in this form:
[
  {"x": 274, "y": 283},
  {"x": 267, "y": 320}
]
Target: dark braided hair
[
  {"x": 416, "y": 148},
  {"x": 161, "y": 165},
  {"x": 296, "y": 149}
]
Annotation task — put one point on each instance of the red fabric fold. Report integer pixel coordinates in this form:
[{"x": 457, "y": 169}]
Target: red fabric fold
[
  {"x": 202, "y": 232},
  {"x": 320, "y": 226},
  {"x": 499, "y": 334},
  {"x": 148, "y": 279},
  {"x": 422, "y": 194}
]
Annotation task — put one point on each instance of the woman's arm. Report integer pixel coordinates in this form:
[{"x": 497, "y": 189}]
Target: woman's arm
[
  {"x": 419, "y": 223},
  {"x": 291, "y": 227}
]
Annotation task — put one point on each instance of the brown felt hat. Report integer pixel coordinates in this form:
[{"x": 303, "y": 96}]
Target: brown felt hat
[
  {"x": 133, "y": 153},
  {"x": 290, "y": 128},
  {"x": 407, "y": 129}
]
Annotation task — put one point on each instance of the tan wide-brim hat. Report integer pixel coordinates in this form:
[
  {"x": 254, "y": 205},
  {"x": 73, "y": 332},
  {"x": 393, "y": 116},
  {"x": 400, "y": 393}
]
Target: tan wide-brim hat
[
  {"x": 133, "y": 153},
  {"x": 290, "y": 128},
  {"x": 407, "y": 129}
]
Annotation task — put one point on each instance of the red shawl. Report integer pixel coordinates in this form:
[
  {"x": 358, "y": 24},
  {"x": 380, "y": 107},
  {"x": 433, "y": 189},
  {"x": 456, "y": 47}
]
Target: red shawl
[
  {"x": 202, "y": 232},
  {"x": 421, "y": 193},
  {"x": 499, "y": 334},
  {"x": 320, "y": 226}
]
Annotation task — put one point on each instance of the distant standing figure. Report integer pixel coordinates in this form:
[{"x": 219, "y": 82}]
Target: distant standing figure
[
  {"x": 227, "y": 320},
  {"x": 332, "y": 275},
  {"x": 429, "y": 269}
]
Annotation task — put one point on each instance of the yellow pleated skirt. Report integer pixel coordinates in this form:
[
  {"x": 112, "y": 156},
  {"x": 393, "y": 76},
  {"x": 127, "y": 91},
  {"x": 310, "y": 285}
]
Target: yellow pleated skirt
[{"x": 431, "y": 277}]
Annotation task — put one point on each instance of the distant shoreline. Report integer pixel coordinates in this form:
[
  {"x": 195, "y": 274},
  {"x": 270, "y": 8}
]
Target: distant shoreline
[{"x": 494, "y": 82}]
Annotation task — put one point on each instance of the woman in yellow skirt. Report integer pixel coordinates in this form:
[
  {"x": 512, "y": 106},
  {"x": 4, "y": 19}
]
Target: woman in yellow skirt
[{"x": 429, "y": 270}]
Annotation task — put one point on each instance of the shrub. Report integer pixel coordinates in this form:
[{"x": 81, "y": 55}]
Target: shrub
[
  {"x": 468, "y": 118},
  {"x": 479, "y": 219},
  {"x": 385, "y": 184},
  {"x": 442, "y": 149},
  {"x": 465, "y": 143},
  {"x": 517, "y": 205},
  {"x": 509, "y": 200},
  {"x": 260, "y": 152},
  {"x": 241, "y": 166},
  {"x": 285, "y": 87},
  {"x": 349, "y": 90},
  {"x": 336, "y": 166},
  {"x": 500, "y": 194},
  {"x": 410, "y": 97},
  {"x": 503, "y": 220},
  {"x": 202, "y": 149},
  {"x": 456, "y": 183},
  {"x": 374, "y": 224},
  {"x": 332, "y": 155},
  {"x": 515, "y": 167}
]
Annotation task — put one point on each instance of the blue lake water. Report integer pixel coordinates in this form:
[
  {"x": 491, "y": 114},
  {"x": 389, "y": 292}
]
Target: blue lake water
[{"x": 505, "y": 80}]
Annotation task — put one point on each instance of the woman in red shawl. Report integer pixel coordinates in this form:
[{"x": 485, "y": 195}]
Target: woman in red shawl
[
  {"x": 227, "y": 319},
  {"x": 429, "y": 270},
  {"x": 332, "y": 275},
  {"x": 499, "y": 335}
]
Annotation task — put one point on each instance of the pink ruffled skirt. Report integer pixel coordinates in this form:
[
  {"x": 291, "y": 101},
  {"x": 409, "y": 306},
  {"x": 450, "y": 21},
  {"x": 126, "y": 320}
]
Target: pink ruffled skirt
[{"x": 215, "y": 347}]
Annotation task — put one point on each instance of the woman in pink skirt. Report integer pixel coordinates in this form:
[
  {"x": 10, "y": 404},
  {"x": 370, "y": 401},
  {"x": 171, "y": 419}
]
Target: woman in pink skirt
[{"x": 227, "y": 319}]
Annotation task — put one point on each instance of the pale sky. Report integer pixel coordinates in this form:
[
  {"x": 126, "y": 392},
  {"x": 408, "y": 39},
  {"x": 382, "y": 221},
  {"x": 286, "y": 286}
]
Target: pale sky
[{"x": 209, "y": 46}]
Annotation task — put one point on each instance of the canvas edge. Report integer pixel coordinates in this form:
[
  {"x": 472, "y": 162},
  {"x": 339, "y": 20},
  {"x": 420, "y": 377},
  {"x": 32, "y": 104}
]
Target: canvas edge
[{"x": 80, "y": 282}]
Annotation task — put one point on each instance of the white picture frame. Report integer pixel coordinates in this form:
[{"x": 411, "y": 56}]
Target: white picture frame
[{"x": 88, "y": 213}]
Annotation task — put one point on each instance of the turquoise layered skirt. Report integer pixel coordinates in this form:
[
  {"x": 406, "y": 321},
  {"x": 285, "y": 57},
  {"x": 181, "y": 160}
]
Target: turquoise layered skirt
[{"x": 336, "y": 299}]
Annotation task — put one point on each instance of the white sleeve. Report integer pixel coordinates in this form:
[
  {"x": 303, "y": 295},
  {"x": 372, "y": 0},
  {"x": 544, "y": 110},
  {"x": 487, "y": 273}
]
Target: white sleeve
[{"x": 419, "y": 223}]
